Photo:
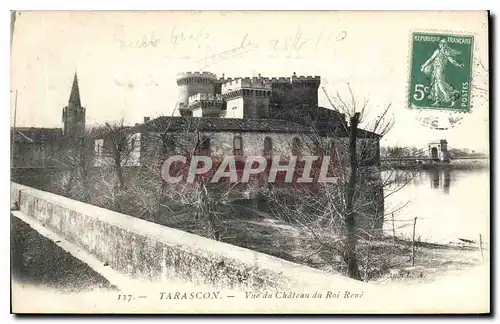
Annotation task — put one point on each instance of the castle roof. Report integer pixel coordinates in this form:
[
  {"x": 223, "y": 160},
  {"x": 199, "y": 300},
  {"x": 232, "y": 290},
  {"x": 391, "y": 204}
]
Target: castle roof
[
  {"x": 217, "y": 124},
  {"x": 176, "y": 123},
  {"x": 214, "y": 124}
]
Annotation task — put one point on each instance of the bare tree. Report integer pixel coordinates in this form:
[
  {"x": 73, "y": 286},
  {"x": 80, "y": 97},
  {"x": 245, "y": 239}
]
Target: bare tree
[
  {"x": 196, "y": 206},
  {"x": 74, "y": 161},
  {"x": 378, "y": 128},
  {"x": 118, "y": 147},
  {"x": 336, "y": 216}
]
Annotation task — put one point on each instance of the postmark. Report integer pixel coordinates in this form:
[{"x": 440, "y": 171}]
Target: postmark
[
  {"x": 439, "y": 120},
  {"x": 439, "y": 85}
]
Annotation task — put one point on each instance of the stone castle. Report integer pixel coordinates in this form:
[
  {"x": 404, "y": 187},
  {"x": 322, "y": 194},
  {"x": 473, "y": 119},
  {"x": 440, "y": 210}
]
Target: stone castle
[
  {"x": 242, "y": 116},
  {"x": 295, "y": 98},
  {"x": 247, "y": 116},
  {"x": 217, "y": 117}
]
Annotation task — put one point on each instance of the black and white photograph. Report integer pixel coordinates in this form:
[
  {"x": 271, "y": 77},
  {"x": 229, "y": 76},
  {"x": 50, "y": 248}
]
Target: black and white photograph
[{"x": 250, "y": 162}]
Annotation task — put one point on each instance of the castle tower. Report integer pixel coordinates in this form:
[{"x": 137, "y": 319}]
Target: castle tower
[
  {"x": 191, "y": 83},
  {"x": 73, "y": 115},
  {"x": 305, "y": 91},
  {"x": 247, "y": 98},
  {"x": 294, "y": 97},
  {"x": 205, "y": 105}
]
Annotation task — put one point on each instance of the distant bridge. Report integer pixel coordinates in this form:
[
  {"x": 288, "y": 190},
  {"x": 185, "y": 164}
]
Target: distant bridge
[
  {"x": 428, "y": 162},
  {"x": 428, "y": 159},
  {"x": 436, "y": 152}
]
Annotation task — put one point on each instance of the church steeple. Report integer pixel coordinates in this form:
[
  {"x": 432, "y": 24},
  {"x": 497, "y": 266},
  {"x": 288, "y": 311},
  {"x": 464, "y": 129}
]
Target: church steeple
[
  {"x": 74, "y": 114},
  {"x": 74, "y": 97}
]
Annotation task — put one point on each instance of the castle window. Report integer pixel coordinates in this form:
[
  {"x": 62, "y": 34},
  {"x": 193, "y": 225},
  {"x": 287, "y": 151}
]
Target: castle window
[
  {"x": 268, "y": 145},
  {"x": 237, "y": 144},
  {"x": 296, "y": 146}
]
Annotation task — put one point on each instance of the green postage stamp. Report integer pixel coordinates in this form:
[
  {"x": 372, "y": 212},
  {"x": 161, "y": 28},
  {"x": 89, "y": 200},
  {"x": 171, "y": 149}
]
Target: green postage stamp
[{"x": 440, "y": 72}]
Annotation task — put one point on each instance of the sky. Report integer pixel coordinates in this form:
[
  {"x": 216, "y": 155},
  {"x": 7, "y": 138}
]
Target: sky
[{"x": 127, "y": 62}]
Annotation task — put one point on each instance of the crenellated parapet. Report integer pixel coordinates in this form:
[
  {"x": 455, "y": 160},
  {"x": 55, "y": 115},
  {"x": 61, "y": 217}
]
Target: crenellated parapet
[
  {"x": 223, "y": 79},
  {"x": 241, "y": 93},
  {"x": 206, "y": 91},
  {"x": 204, "y": 96},
  {"x": 275, "y": 81},
  {"x": 228, "y": 83},
  {"x": 313, "y": 81},
  {"x": 205, "y": 99},
  {"x": 254, "y": 83},
  {"x": 210, "y": 105},
  {"x": 246, "y": 87},
  {"x": 187, "y": 78},
  {"x": 205, "y": 74}
]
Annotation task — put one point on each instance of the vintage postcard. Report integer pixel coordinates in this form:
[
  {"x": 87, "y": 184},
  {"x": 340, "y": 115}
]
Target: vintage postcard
[{"x": 253, "y": 162}]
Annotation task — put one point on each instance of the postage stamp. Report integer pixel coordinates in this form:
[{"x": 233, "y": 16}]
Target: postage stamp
[{"x": 440, "y": 73}]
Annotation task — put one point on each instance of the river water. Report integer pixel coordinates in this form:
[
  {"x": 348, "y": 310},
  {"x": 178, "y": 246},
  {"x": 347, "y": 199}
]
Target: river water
[{"x": 448, "y": 204}]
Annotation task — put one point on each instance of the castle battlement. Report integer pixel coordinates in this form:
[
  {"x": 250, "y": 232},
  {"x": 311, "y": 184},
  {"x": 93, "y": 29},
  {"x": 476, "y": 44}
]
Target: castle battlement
[
  {"x": 256, "y": 83},
  {"x": 223, "y": 80},
  {"x": 306, "y": 78},
  {"x": 278, "y": 80},
  {"x": 199, "y": 97},
  {"x": 186, "y": 78},
  {"x": 204, "y": 74}
]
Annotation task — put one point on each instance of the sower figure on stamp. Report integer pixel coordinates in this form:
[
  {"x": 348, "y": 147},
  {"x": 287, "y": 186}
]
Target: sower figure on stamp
[{"x": 435, "y": 67}]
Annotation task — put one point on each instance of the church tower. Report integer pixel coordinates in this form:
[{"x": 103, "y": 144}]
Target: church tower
[{"x": 73, "y": 115}]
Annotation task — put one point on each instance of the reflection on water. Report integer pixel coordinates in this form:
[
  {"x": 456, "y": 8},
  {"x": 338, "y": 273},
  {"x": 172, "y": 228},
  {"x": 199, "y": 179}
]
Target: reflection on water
[
  {"x": 441, "y": 179},
  {"x": 448, "y": 204}
]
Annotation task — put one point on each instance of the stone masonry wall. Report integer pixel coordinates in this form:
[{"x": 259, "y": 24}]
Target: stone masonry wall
[{"x": 148, "y": 251}]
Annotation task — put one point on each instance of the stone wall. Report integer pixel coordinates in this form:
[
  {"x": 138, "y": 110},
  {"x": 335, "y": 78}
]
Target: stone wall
[
  {"x": 253, "y": 143},
  {"x": 235, "y": 108},
  {"x": 148, "y": 251},
  {"x": 221, "y": 144}
]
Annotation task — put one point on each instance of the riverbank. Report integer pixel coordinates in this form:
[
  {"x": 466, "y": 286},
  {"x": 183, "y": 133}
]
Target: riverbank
[
  {"x": 381, "y": 260},
  {"x": 454, "y": 165},
  {"x": 433, "y": 262},
  {"x": 37, "y": 261}
]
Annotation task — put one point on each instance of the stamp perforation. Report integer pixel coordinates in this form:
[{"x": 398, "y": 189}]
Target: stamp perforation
[{"x": 474, "y": 62}]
